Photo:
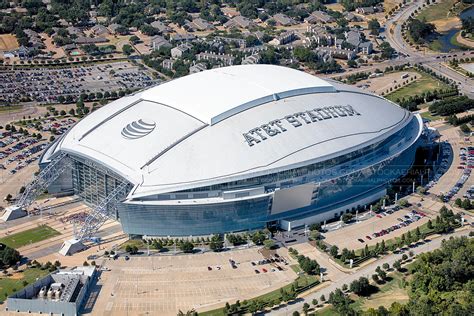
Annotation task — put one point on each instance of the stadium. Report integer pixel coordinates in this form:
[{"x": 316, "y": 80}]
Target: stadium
[{"x": 237, "y": 148}]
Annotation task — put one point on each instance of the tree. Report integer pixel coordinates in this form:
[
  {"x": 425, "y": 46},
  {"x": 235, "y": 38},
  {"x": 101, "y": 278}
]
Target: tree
[
  {"x": 134, "y": 39},
  {"x": 429, "y": 224},
  {"x": 360, "y": 286},
  {"x": 127, "y": 49},
  {"x": 315, "y": 227},
  {"x": 347, "y": 217},
  {"x": 397, "y": 265},
  {"x": 306, "y": 308},
  {"x": 382, "y": 274},
  {"x": 310, "y": 266},
  {"x": 333, "y": 251},
  {"x": 216, "y": 244},
  {"x": 269, "y": 244},
  {"x": 466, "y": 204},
  {"x": 375, "y": 277},
  {"x": 187, "y": 247},
  {"x": 374, "y": 27},
  {"x": 352, "y": 63},
  {"x": 386, "y": 266},
  {"x": 314, "y": 302},
  {"x": 258, "y": 237},
  {"x": 403, "y": 202}
]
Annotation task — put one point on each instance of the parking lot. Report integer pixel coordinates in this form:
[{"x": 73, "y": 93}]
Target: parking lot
[
  {"x": 383, "y": 226},
  {"x": 45, "y": 85},
  {"x": 452, "y": 179},
  {"x": 19, "y": 152},
  {"x": 162, "y": 285}
]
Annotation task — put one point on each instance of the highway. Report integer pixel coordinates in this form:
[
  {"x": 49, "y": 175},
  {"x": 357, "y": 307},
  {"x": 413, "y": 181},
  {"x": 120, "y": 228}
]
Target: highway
[{"x": 366, "y": 271}]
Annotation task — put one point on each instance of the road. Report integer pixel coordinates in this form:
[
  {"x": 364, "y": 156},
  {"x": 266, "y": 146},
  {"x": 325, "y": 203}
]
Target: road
[
  {"x": 431, "y": 60},
  {"x": 366, "y": 271}
]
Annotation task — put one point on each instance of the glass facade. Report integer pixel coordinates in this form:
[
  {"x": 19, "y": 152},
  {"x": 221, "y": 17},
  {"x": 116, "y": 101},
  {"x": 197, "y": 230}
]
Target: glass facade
[
  {"x": 202, "y": 211},
  {"x": 93, "y": 183},
  {"x": 185, "y": 220}
]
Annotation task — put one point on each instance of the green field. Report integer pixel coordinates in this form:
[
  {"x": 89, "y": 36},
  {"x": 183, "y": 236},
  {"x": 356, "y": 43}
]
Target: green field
[
  {"x": 10, "y": 108},
  {"x": 423, "y": 84},
  {"x": 437, "y": 11},
  {"x": 8, "y": 285},
  {"x": 431, "y": 117},
  {"x": 29, "y": 236}
]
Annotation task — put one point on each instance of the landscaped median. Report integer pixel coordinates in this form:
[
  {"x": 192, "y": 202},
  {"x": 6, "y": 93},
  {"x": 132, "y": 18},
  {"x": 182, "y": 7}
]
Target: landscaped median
[
  {"x": 29, "y": 236},
  {"x": 285, "y": 294}
]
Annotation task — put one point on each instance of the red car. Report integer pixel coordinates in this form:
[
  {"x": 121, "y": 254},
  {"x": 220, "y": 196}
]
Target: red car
[
  {"x": 264, "y": 270},
  {"x": 368, "y": 237}
]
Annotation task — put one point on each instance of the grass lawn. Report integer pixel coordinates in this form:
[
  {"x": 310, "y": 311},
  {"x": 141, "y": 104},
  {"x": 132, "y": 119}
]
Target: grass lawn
[
  {"x": 390, "y": 4},
  {"x": 423, "y": 84},
  {"x": 133, "y": 242},
  {"x": 455, "y": 42},
  {"x": 29, "y": 236},
  {"x": 10, "y": 108},
  {"x": 327, "y": 311},
  {"x": 391, "y": 291},
  {"x": 296, "y": 268},
  {"x": 429, "y": 116},
  {"x": 15, "y": 282},
  {"x": 437, "y": 11}
]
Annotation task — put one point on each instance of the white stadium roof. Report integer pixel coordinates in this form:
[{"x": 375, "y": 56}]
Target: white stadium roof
[
  {"x": 188, "y": 132},
  {"x": 213, "y": 95}
]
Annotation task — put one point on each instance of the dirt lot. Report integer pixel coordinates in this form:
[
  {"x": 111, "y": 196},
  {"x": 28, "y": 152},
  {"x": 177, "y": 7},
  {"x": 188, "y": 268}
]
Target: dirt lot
[
  {"x": 8, "y": 42},
  {"x": 162, "y": 285},
  {"x": 382, "y": 84}
]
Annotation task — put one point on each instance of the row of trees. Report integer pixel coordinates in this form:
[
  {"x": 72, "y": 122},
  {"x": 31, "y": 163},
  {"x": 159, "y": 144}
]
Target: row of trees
[
  {"x": 286, "y": 295},
  {"x": 215, "y": 242},
  {"x": 456, "y": 121},
  {"x": 465, "y": 204},
  {"x": 452, "y": 105}
]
